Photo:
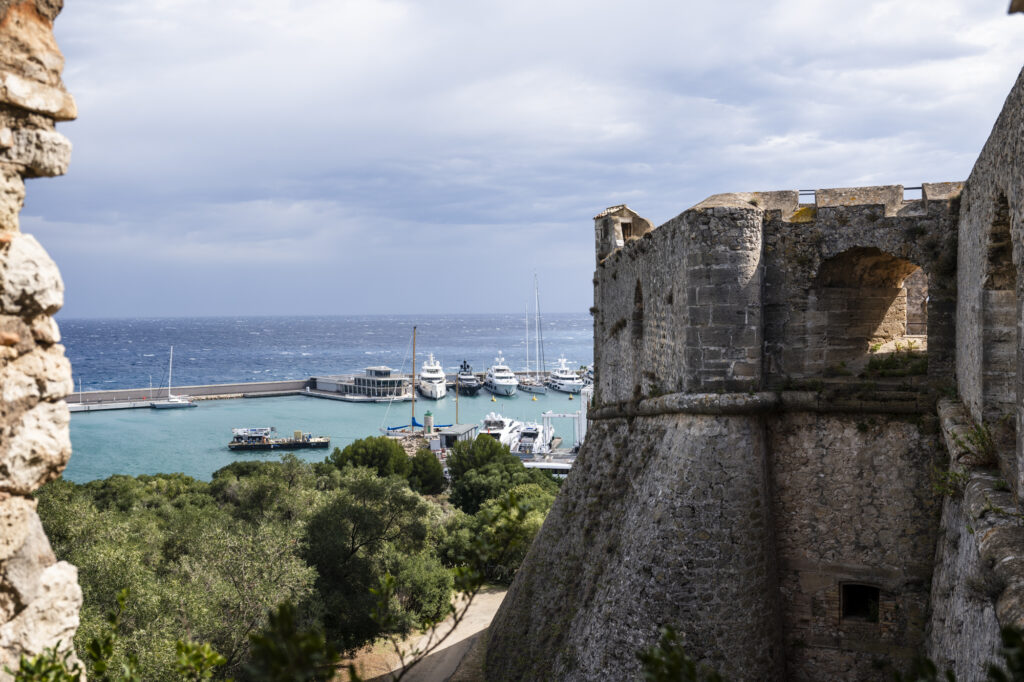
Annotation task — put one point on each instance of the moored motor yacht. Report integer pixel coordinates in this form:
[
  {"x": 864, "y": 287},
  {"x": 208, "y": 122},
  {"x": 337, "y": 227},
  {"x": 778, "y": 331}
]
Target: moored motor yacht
[
  {"x": 534, "y": 439},
  {"x": 466, "y": 382},
  {"x": 564, "y": 379},
  {"x": 502, "y": 429},
  {"x": 431, "y": 381},
  {"x": 499, "y": 379}
]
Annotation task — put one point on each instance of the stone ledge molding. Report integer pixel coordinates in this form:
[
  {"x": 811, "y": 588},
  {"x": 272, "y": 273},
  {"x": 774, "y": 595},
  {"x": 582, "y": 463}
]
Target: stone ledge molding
[{"x": 758, "y": 403}]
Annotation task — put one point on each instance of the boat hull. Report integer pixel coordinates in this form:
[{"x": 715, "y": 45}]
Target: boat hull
[
  {"x": 532, "y": 388},
  {"x": 171, "y": 406},
  {"x": 565, "y": 387},
  {"x": 469, "y": 389},
  {"x": 433, "y": 391},
  {"x": 501, "y": 389}
]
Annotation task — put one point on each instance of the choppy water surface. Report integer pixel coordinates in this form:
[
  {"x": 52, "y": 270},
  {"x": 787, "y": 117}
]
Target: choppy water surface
[{"x": 125, "y": 353}]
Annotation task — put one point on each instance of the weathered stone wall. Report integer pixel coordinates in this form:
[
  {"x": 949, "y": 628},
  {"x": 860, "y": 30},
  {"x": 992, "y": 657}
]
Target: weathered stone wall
[
  {"x": 836, "y": 277},
  {"x": 664, "y": 520},
  {"x": 917, "y": 303},
  {"x": 745, "y": 291},
  {"x": 989, "y": 316},
  {"x": 39, "y": 596},
  {"x": 852, "y": 503},
  {"x": 978, "y": 583}
]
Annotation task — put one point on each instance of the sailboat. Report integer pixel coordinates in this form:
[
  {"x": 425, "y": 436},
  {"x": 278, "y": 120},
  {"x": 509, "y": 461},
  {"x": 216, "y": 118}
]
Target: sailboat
[
  {"x": 532, "y": 382},
  {"x": 173, "y": 401}
]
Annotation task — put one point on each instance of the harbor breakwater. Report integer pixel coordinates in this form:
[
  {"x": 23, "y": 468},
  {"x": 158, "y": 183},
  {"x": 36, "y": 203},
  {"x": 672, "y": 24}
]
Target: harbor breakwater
[{"x": 206, "y": 391}]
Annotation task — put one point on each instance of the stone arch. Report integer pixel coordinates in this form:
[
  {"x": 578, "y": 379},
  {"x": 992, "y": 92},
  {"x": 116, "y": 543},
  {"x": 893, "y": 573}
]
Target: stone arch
[{"x": 858, "y": 307}]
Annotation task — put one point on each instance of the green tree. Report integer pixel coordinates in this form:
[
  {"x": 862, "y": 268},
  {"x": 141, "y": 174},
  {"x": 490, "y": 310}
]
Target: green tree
[
  {"x": 534, "y": 503},
  {"x": 285, "y": 652},
  {"x": 355, "y": 538},
  {"x": 381, "y": 453},
  {"x": 485, "y": 470},
  {"x": 427, "y": 475}
]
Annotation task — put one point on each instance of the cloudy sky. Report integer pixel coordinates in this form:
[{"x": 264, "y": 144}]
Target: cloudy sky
[{"x": 248, "y": 157}]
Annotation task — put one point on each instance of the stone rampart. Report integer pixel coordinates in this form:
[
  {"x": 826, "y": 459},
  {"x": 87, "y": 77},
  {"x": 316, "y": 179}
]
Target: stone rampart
[
  {"x": 765, "y": 437},
  {"x": 598, "y": 581},
  {"x": 39, "y": 596}
]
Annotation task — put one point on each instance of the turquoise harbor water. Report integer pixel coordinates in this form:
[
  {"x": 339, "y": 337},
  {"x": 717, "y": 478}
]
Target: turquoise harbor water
[
  {"x": 194, "y": 441},
  {"x": 127, "y": 353}
]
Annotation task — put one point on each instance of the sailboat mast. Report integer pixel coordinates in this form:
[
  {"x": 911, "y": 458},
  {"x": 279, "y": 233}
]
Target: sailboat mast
[
  {"x": 528, "y": 339},
  {"x": 537, "y": 336},
  {"x": 170, "y": 370},
  {"x": 412, "y": 382}
]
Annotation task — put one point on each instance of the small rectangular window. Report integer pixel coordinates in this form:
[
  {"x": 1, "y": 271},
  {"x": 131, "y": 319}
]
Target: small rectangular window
[
  {"x": 627, "y": 230},
  {"x": 860, "y": 602}
]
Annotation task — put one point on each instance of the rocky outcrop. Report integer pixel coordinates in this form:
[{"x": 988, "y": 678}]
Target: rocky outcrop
[{"x": 39, "y": 596}]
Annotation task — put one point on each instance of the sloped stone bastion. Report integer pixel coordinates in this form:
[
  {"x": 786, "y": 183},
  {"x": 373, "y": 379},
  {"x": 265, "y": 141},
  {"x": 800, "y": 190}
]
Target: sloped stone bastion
[{"x": 783, "y": 380}]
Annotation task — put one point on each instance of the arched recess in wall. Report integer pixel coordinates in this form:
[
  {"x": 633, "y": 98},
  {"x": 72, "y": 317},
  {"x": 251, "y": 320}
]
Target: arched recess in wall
[
  {"x": 868, "y": 316},
  {"x": 999, "y": 321}
]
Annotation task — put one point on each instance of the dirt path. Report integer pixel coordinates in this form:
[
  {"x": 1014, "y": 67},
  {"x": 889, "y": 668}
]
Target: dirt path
[{"x": 440, "y": 665}]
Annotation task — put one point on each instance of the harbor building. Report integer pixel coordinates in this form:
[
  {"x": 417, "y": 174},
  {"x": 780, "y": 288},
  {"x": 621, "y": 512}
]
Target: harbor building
[{"x": 378, "y": 383}]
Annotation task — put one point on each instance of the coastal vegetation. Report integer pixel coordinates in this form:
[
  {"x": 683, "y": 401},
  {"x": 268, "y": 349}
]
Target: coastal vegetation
[{"x": 270, "y": 542}]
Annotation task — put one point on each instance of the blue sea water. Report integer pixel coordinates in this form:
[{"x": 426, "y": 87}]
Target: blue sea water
[
  {"x": 125, "y": 353},
  {"x": 132, "y": 353}
]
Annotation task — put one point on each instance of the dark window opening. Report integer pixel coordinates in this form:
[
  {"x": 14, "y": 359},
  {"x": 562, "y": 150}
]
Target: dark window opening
[
  {"x": 860, "y": 602},
  {"x": 627, "y": 230}
]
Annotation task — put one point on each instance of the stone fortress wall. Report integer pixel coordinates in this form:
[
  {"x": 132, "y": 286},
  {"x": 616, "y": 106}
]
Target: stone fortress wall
[
  {"x": 780, "y": 383},
  {"x": 39, "y": 596}
]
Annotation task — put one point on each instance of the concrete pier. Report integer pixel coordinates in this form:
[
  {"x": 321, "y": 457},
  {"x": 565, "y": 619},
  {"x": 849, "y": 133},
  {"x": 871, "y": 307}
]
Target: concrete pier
[{"x": 140, "y": 397}]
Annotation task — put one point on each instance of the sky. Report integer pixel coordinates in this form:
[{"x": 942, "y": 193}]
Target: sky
[{"x": 252, "y": 157}]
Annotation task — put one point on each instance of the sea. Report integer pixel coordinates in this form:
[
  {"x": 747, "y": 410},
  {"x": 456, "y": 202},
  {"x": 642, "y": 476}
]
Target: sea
[{"x": 133, "y": 353}]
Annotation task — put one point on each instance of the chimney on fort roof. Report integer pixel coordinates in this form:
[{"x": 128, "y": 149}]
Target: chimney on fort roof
[{"x": 615, "y": 226}]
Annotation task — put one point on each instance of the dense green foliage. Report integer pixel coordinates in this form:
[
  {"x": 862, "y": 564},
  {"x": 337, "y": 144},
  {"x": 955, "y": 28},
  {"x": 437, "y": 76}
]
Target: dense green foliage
[
  {"x": 212, "y": 562},
  {"x": 427, "y": 475},
  {"x": 485, "y": 469},
  {"x": 382, "y": 454}
]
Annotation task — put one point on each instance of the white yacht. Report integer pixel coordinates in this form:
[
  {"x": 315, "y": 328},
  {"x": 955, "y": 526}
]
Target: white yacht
[
  {"x": 534, "y": 439},
  {"x": 431, "y": 381},
  {"x": 564, "y": 379},
  {"x": 500, "y": 380},
  {"x": 502, "y": 429}
]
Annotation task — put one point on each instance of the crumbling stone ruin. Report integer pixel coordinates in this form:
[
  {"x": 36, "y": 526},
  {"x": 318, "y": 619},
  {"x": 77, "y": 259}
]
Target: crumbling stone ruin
[
  {"x": 783, "y": 380},
  {"x": 39, "y": 596}
]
